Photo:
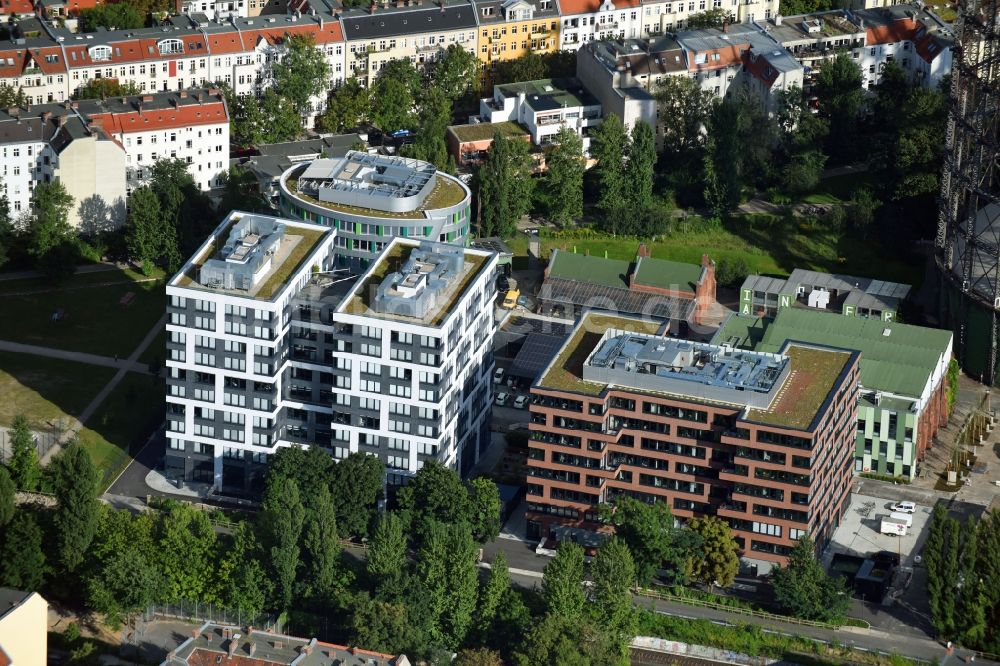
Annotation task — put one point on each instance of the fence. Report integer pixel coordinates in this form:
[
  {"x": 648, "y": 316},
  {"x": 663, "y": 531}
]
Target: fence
[
  {"x": 200, "y": 612},
  {"x": 44, "y": 441}
]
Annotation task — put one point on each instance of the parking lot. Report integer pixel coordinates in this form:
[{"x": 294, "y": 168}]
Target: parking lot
[{"x": 858, "y": 533}]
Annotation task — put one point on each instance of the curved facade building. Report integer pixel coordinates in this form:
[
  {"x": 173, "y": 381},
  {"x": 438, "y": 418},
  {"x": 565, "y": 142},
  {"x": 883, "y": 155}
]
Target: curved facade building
[{"x": 371, "y": 199}]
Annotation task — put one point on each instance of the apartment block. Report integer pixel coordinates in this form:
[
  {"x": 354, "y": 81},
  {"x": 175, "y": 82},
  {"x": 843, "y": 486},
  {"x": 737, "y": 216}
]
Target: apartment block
[
  {"x": 271, "y": 345},
  {"x": 23, "y": 625},
  {"x": 917, "y": 39},
  {"x": 370, "y": 199},
  {"x": 903, "y": 398},
  {"x": 509, "y": 30},
  {"x": 543, "y": 108},
  {"x": 763, "y": 440}
]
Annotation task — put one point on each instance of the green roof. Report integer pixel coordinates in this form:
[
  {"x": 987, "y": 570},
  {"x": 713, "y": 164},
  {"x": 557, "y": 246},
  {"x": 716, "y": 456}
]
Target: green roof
[
  {"x": 596, "y": 270},
  {"x": 897, "y": 358},
  {"x": 484, "y": 131},
  {"x": 814, "y": 374},
  {"x": 666, "y": 274}
]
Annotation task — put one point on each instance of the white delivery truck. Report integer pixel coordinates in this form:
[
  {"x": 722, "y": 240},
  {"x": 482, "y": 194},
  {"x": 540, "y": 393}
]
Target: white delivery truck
[
  {"x": 893, "y": 527},
  {"x": 900, "y": 517}
]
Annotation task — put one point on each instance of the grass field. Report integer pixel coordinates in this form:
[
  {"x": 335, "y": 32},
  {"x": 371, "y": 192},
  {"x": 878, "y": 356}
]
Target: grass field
[
  {"x": 93, "y": 320},
  {"x": 769, "y": 245},
  {"x": 116, "y": 275},
  {"x": 117, "y": 430},
  {"x": 157, "y": 349},
  {"x": 45, "y": 389}
]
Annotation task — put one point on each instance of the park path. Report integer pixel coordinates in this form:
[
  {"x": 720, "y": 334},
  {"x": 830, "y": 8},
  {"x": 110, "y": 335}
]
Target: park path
[
  {"x": 103, "y": 394},
  {"x": 78, "y": 357},
  {"x": 89, "y": 268}
]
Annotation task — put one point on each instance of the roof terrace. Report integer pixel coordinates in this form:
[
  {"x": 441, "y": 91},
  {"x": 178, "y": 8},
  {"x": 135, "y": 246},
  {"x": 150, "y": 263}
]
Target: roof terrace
[
  {"x": 251, "y": 256},
  {"x": 374, "y": 186},
  {"x": 416, "y": 282}
]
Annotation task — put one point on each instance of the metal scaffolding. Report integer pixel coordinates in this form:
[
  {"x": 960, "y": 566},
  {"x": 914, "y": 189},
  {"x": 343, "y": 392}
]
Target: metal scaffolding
[{"x": 968, "y": 234}]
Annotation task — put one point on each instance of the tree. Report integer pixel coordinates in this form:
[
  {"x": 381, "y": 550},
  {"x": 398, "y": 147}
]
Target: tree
[
  {"x": 567, "y": 642},
  {"x": 74, "y": 483},
  {"x": 972, "y": 599},
  {"x": 861, "y": 211},
  {"x": 241, "y": 191},
  {"x": 281, "y": 119},
  {"x": 145, "y": 234},
  {"x": 648, "y": 531},
  {"x": 394, "y": 95},
  {"x": 477, "y": 657},
  {"x": 838, "y": 87},
  {"x": 804, "y": 590},
  {"x": 12, "y": 96},
  {"x": 384, "y": 626},
  {"x": 712, "y": 18},
  {"x": 356, "y": 485},
  {"x": 311, "y": 468},
  {"x": 564, "y": 177},
  {"x": 484, "y": 509},
  {"x": 528, "y": 67},
  {"x": 387, "y": 555},
  {"x": 432, "y": 122},
  {"x": 562, "y": 582},
  {"x": 717, "y": 561},
  {"x": 613, "y": 571},
  {"x": 302, "y": 73},
  {"x": 8, "y": 492},
  {"x": 446, "y": 565},
  {"x": 282, "y": 517},
  {"x": 49, "y": 224},
  {"x": 187, "y": 553},
  {"x": 125, "y": 576},
  {"x": 686, "y": 106},
  {"x": 346, "y": 108},
  {"x": 802, "y": 174},
  {"x": 7, "y": 234},
  {"x": 247, "y": 585},
  {"x": 118, "y": 16},
  {"x": 105, "y": 88},
  {"x": 22, "y": 560},
  {"x": 639, "y": 168},
  {"x": 186, "y": 211},
  {"x": 908, "y": 148},
  {"x": 492, "y": 594},
  {"x": 23, "y": 464},
  {"x": 322, "y": 549},
  {"x": 741, "y": 137},
  {"x": 610, "y": 143},
  {"x": 455, "y": 72},
  {"x": 505, "y": 186}
]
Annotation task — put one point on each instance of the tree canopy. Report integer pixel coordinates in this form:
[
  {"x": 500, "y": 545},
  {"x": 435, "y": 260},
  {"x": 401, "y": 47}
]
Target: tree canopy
[
  {"x": 505, "y": 186},
  {"x": 302, "y": 73},
  {"x": 803, "y": 589}
]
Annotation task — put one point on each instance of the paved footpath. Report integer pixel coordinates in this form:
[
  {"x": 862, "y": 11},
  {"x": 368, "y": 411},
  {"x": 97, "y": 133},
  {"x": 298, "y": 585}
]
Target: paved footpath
[
  {"x": 88, "y": 268},
  {"x": 79, "y": 357}
]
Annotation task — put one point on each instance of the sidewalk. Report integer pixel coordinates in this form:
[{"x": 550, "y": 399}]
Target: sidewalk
[{"x": 79, "y": 357}]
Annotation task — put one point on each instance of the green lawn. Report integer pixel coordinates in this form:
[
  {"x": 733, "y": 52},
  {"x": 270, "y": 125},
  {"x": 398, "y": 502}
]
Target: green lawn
[
  {"x": 838, "y": 189},
  {"x": 46, "y": 389},
  {"x": 767, "y": 243},
  {"x": 93, "y": 320},
  {"x": 43, "y": 284},
  {"x": 157, "y": 349},
  {"x": 120, "y": 427}
]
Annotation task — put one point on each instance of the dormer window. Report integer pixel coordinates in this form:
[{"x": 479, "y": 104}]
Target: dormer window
[
  {"x": 100, "y": 53},
  {"x": 170, "y": 46}
]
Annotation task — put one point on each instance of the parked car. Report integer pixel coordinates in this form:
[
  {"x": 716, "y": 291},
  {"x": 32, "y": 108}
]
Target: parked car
[
  {"x": 503, "y": 284},
  {"x": 903, "y": 507},
  {"x": 502, "y": 399},
  {"x": 521, "y": 401}
]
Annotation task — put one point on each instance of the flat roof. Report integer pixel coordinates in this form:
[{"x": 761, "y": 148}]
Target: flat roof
[
  {"x": 486, "y": 131},
  {"x": 814, "y": 375},
  {"x": 565, "y": 371},
  {"x": 447, "y": 192},
  {"x": 300, "y": 241},
  {"x": 361, "y": 298},
  {"x": 896, "y": 358},
  {"x": 550, "y": 94}
]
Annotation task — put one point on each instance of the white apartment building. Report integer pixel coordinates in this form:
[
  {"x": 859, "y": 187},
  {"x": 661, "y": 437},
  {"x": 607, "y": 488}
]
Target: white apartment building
[
  {"x": 269, "y": 345},
  {"x": 917, "y": 39},
  {"x": 25, "y": 157},
  {"x": 543, "y": 108}
]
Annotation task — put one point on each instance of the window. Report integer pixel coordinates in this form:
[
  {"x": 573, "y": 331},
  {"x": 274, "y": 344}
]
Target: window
[
  {"x": 170, "y": 46},
  {"x": 100, "y": 53}
]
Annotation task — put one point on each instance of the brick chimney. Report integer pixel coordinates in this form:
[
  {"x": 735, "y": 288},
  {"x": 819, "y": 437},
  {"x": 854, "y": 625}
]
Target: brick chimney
[
  {"x": 147, "y": 98},
  {"x": 253, "y": 648},
  {"x": 61, "y": 120},
  {"x": 372, "y": 7},
  {"x": 643, "y": 251},
  {"x": 183, "y": 94},
  {"x": 46, "y": 116}
]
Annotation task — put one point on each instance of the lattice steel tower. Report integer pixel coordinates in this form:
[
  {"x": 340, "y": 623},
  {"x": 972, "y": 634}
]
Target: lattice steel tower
[{"x": 968, "y": 235}]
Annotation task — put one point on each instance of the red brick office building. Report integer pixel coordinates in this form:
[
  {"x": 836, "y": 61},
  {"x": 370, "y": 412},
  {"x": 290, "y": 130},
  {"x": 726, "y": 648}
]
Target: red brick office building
[{"x": 765, "y": 441}]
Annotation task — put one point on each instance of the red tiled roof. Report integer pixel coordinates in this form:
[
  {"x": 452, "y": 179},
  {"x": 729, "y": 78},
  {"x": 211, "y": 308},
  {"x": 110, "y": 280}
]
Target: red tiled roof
[
  {"x": 759, "y": 68},
  {"x": 13, "y": 70},
  {"x": 16, "y": 7},
  {"x": 728, "y": 56},
  {"x": 74, "y": 6},
  {"x": 592, "y": 6},
  {"x": 928, "y": 47},
  {"x": 897, "y": 31},
  {"x": 184, "y": 116}
]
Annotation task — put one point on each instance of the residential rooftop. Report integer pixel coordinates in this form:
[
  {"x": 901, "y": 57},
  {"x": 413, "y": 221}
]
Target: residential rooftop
[
  {"x": 234, "y": 646},
  {"x": 251, "y": 255},
  {"x": 550, "y": 94},
  {"x": 375, "y": 186},
  {"x": 418, "y": 282},
  {"x": 784, "y": 388},
  {"x": 895, "y": 358}
]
